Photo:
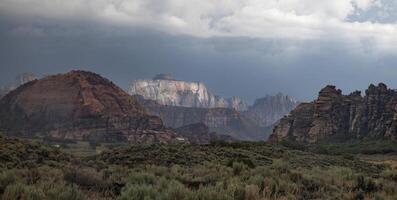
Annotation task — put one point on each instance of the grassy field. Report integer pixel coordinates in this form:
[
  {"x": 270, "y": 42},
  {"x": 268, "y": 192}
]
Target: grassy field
[{"x": 242, "y": 170}]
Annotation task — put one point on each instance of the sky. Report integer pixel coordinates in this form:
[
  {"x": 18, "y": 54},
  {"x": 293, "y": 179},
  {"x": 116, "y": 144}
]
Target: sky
[{"x": 246, "y": 48}]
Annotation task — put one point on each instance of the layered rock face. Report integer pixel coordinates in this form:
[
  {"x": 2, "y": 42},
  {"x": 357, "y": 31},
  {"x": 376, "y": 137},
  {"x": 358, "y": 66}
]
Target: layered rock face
[
  {"x": 223, "y": 121},
  {"x": 268, "y": 110},
  {"x": 78, "y": 105},
  {"x": 167, "y": 91},
  {"x": 337, "y": 116},
  {"x": 200, "y": 134}
]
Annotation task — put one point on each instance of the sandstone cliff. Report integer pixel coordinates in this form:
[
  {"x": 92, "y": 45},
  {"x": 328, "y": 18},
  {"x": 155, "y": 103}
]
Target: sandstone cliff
[
  {"x": 268, "y": 110},
  {"x": 334, "y": 116},
  {"x": 223, "y": 121},
  {"x": 167, "y": 91},
  {"x": 78, "y": 105}
]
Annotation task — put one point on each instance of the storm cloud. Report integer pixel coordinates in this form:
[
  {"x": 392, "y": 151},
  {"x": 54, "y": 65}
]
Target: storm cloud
[{"x": 245, "y": 48}]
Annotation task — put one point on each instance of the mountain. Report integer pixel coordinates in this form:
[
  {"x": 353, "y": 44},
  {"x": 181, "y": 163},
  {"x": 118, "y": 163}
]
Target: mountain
[
  {"x": 19, "y": 80},
  {"x": 268, "y": 110},
  {"x": 334, "y": 116},
  {"x": 180, "y": 103},
  {"x": 223, "y": 121},
  {"x": 78, "y": 105},
  {"x": 165, "y": 90}
]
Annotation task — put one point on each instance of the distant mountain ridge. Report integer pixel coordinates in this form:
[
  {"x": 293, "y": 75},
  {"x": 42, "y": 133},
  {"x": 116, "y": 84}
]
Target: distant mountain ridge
[
  {"x": 223, "y": 121},
  {"x": 180, "y": 103},
  {"x": 334, "y": 116},
  {"x": 165, "y": 90}
]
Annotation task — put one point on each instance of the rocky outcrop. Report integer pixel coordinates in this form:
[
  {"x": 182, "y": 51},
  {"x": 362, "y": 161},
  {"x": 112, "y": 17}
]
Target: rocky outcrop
[
  {"x": 223, "y": 121},
  {"x": 165, "y": 90},
  {"x": 268, "y": 110},
  {"x": 334, "y": 116},
  {"x": 200, "y": 134},
  {"x": 78, "y": 105}
]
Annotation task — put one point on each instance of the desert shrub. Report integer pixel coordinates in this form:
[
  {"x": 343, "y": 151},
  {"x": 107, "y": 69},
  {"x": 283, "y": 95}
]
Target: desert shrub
[
  {"x": 366, "y": 185},
  {"x": 23, "y": 192},
  {"x": 252, "y": 192},
  {"x": 141, "y": 178},
  {"x": 257, "y": 180},
  {"x": 175, "y": 191},
  {"x": 272, "y": 187},
  {"x": 378, "y": 197},
  {"x": 238, "y": 167},
  {"x": 239, "y": 192},
  {"x": 390, "y": 175},
  {"x": 210, "y": 193},
  {"x": 7, "y": 178},
  {"x": 293, "y": 145},
  {"x": 63, "y": 192},
  {"x": 138, "y": 192},
  {"x": 85, "y": 177},
  {"x": 157, "y": 170}
]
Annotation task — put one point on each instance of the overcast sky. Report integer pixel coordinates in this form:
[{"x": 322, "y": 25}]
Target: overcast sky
[{"x": 247, "y": 48}]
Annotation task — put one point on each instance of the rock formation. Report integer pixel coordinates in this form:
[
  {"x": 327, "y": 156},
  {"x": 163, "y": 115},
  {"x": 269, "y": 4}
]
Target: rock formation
[
  {"x": 220, "y": 120},
  {"x": 165, "y": 90},
  {"x": 268, "y": 110},
  {"x": 334, "y": 116},
  {"x": 200, "y": 134},
  {"x": 78, "y": 105}
]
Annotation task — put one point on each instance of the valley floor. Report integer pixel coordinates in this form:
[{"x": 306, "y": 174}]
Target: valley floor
[{"x": 240, "y": 170}]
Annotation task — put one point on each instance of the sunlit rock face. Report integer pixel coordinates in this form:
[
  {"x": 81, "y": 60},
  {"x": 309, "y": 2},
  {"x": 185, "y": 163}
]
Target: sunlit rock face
[
  {"x": 334, "y": 116},
  {"x": 165, "y": 90}
]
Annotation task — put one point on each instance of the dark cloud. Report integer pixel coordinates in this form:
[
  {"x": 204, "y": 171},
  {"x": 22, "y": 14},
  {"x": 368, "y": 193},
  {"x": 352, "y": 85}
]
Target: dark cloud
[{"x": 243, "y": 66}]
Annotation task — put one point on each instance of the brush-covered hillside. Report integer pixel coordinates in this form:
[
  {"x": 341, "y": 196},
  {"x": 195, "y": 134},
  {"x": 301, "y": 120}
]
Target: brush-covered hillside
[{"x": 220, "y": 170}]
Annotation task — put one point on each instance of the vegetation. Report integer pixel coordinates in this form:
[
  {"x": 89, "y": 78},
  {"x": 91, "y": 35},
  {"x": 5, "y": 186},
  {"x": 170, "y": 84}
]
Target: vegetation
[{"x": 243, "y": 170}]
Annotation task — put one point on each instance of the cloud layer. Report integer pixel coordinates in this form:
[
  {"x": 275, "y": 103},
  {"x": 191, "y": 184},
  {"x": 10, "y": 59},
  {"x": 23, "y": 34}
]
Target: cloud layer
[
  {"x": 291, "y": 19},
  {"x": 295, "y": 46}
]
